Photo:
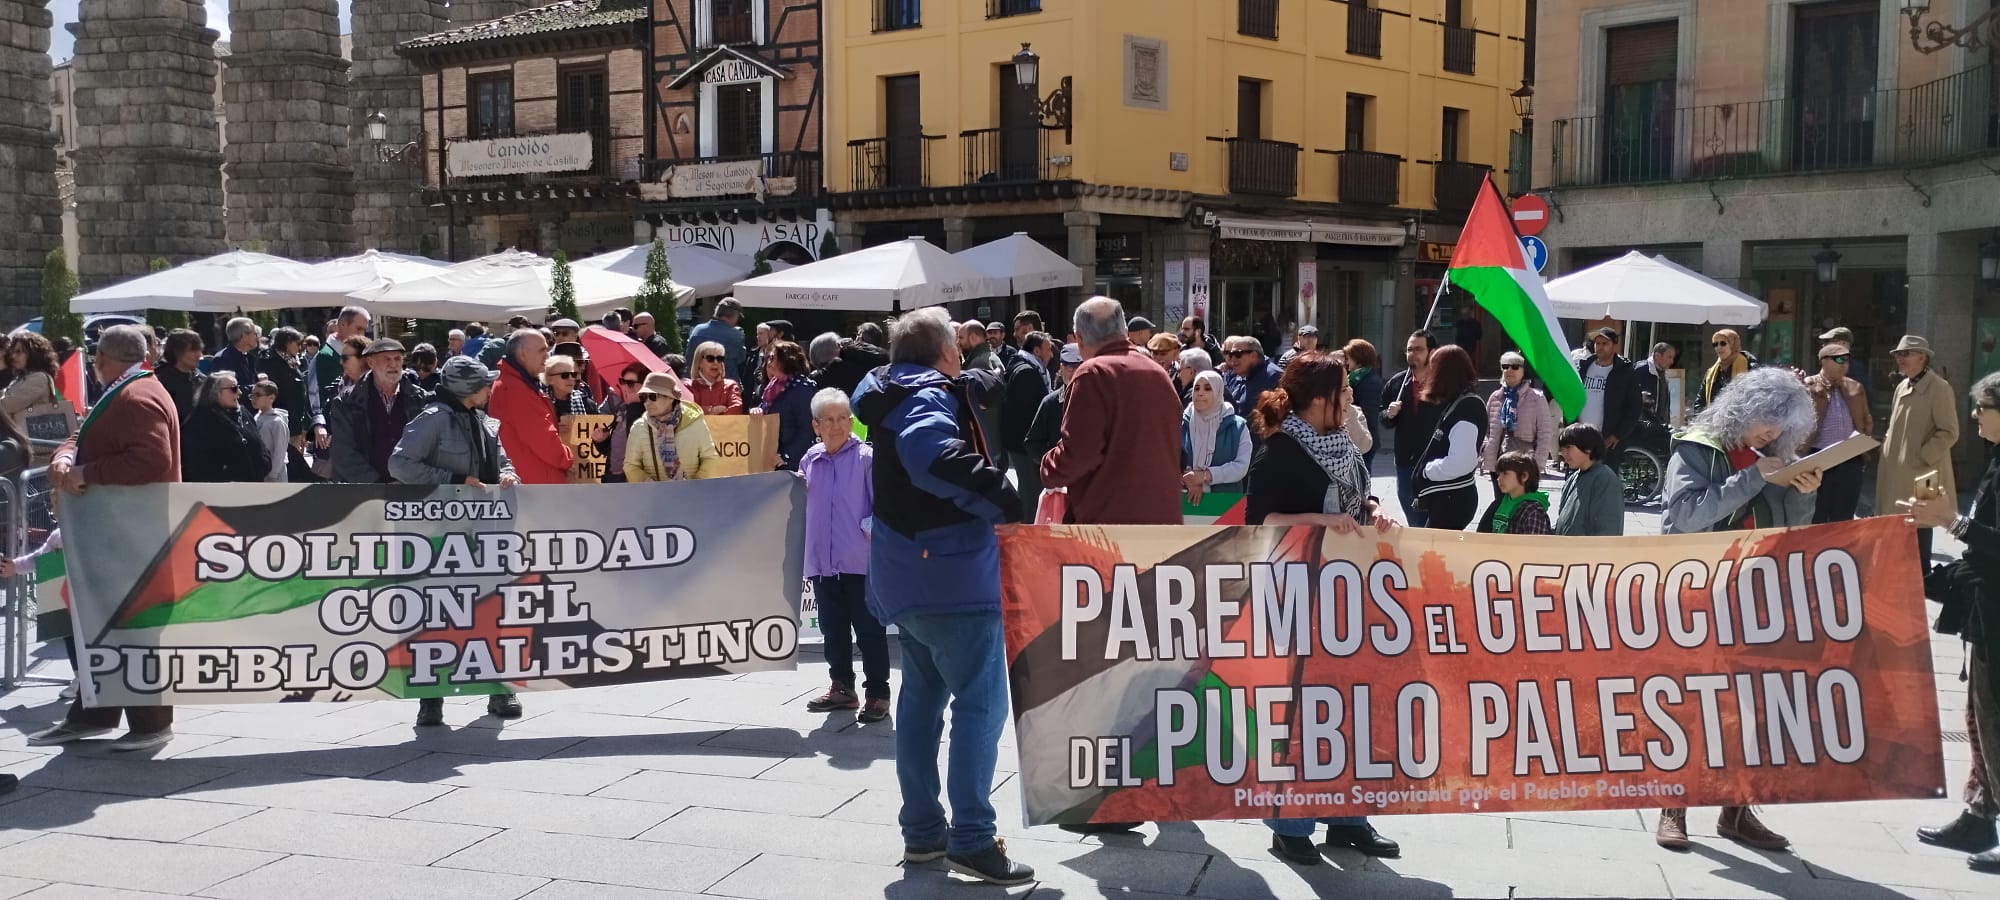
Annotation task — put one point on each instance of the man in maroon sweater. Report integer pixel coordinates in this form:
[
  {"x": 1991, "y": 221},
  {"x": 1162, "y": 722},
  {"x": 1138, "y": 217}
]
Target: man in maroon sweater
[
  {"x": 1120, "y": 453},
  {"x": 130, "y": 437}
]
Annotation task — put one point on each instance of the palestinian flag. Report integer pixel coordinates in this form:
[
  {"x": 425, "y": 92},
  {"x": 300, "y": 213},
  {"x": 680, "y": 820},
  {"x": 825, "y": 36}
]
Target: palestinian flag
[
  {"x": 1214, "y": 509},
  {"x": 69, "y": 381},
  {"x": 1490, "y": 263}
]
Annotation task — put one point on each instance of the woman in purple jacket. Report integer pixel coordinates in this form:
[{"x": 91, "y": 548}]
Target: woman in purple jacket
[{"x": 840, "y": 499}]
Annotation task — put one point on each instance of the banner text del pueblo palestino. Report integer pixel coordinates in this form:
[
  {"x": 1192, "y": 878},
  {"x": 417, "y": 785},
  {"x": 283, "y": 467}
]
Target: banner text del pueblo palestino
[
  {"x": 1227, "y": 673},
  {"x": 218, "y": 593}
]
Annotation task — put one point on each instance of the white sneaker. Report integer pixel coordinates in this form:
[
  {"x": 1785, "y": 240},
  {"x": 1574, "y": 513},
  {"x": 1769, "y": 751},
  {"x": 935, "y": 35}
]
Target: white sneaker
[
  {"x": 142, "y": 740},
  {"x": 63, "y": 733}
]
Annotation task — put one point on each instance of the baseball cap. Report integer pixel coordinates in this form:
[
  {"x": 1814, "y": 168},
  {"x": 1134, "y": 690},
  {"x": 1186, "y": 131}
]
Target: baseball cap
[
  {"x": 996, "y": 325},
  {"x": 384, "y": 345},
  {"x": 1609, "y": 334},
  {"x": 464, "y": 376},
  {"x": 1072, "y": 355}
]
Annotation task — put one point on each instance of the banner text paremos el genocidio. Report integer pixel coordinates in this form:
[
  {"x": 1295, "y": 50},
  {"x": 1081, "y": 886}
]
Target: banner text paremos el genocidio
[{"x": 1451, "y": 677}]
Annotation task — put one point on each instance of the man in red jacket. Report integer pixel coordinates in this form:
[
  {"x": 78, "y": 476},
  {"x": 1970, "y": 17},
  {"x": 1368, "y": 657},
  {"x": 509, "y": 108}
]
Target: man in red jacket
[
  {"x": 130, "y": 437},
  {"x": 527, "y": 420},
  {"x": 1120, "y": 452}
]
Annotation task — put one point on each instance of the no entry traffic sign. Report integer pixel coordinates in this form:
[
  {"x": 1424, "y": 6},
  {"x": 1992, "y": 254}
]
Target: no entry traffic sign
[{"x": 1531, "y": 214}]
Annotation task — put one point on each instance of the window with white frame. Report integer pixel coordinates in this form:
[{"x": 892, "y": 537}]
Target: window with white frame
[
  {"x": 720, "y": 23},
  {"x": 738, "y": 117}
]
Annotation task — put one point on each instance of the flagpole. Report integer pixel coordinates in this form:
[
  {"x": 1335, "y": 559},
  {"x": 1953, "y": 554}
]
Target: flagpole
[{"x": 1435, "y": 300}]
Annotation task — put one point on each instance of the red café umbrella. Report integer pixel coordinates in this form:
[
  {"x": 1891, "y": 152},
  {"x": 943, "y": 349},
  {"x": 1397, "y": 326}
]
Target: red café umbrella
[{"x": 610, "y": 352}]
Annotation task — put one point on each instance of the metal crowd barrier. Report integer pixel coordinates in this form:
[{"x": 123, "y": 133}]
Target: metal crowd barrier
[{"x": 26, "y": 507}]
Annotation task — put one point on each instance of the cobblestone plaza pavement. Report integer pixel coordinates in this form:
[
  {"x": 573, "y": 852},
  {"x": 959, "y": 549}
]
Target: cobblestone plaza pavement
[{"x": 727, "y": 787}]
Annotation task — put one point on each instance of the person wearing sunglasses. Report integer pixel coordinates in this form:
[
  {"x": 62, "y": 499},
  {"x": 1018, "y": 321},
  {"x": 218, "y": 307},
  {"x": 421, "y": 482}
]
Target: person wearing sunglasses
[
  {"x": 568, "y": 395},
  {"x": 624, "y": 408},
  {"x": 670, "y": 440},
  {"x": 216, "y": 444},
  {"x": 1968, "y": 590},
  {"x": 714, "y": 391},
  {"x": 1518, "y": 417},
  {"x": 1840, "y": 494},
  {"x": 1730, "y": 363}
]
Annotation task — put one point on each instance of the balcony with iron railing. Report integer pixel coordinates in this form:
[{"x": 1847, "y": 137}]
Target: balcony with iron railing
[
  {"x": 1952, "y": 118},
  {"x": 1265, "y": 168},
  {"x": 1000, "y": 9},
  {"x": 1001, "y": 155},
  {"x": 891, "y": 163},
  {"x": 786, "y": 174},
  {"x": 898, "y": 15},
  {"x": 1461, "y": 46},
  {"x": 1364, "y": 29},
  {"x": 1455, "y": 185},
  {"x": 1371, "y": 178},
  {"x": 1257, "y": 18}
]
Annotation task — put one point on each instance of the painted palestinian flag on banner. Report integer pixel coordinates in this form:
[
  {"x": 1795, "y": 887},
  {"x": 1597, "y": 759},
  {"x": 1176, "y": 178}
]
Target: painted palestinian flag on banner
[
  {"x": 1490, "y": 263},
  {"x": 51, "y": 596},
  {"x": 1214, "y": 509}
]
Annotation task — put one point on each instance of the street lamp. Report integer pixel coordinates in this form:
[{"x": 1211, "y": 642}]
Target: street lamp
[
  {"x": 1826, "y": 263},
  {"x": 378, "y": 134},
  {"x": 1052, "y": 111},
  {"x": 1930, "y": 37},
  {"x": 1524, "y": 100}
]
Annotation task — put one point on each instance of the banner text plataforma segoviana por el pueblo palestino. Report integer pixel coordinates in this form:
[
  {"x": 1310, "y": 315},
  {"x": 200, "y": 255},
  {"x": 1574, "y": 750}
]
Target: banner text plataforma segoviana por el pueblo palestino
[
  {"x": 247, "y": 593},
  {"x": 1180, "y": 673}
]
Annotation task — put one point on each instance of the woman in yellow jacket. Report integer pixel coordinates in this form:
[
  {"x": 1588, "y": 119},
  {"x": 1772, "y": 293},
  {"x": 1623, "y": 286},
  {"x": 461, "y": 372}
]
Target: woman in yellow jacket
[{"x": 670, "y": 442}]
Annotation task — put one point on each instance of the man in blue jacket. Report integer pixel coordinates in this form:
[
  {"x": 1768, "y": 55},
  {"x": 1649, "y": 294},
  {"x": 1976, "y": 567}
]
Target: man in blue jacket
[{"x": 934, "y": 572}]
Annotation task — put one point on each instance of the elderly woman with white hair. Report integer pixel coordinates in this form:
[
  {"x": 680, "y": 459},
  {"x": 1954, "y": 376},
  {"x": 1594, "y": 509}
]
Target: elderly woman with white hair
[
  {"x": 1193, "y": 361},
  {"x": 1724, "y": 476},
  {"x": 1518, "y": 417}
]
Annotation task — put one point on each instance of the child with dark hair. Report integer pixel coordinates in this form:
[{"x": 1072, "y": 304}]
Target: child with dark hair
[
  {"x": 1593, "y": 503},
  {"x": 1519, "y": 505}
]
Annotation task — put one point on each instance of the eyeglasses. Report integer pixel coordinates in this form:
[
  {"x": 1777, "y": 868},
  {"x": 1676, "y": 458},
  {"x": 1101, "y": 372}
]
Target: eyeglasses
[
  {"x": 648, "y": 397},
  {"x": 564, "y": 375},
  {"x": 232, "y": 389},
  {"x": 1510, "y": 366},
  {"x": 711, "y": 358},
  {"x": 1719, "y": 344},
  {"x": 630, "y": 382},
  {"x": 1232, "y": 354},
  {"x": 1842, "y": 360}
]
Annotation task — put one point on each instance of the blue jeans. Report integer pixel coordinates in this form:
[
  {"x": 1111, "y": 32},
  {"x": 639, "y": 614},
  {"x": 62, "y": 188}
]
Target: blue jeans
[
  {"x": 846, "y": 622},
  {"x": 1407, "y": 495},
  {"x": 958, "y": 658},
  {"x": 1305, "y": 827}
]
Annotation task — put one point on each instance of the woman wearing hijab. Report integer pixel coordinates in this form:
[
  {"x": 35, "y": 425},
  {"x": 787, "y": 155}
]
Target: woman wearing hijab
[
  {"x": 670, "y": 440},
  {"x": 452, "y": 441},
  {"x": 1310, "y": 473},
  {"x": 788, "y": 394},
  {"x": 1215, "y": 442}
]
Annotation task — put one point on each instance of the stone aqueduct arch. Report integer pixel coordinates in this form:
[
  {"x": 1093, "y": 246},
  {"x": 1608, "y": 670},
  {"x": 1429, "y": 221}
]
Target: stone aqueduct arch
[{"x": 304, "y": 181}]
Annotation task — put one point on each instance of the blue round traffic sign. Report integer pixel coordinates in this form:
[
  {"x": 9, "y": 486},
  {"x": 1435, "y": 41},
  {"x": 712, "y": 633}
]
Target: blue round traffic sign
[{"x": 1538, "y": 252}]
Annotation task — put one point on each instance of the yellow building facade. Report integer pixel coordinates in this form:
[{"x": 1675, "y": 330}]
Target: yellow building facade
[{"x": 1265, "y": 163}]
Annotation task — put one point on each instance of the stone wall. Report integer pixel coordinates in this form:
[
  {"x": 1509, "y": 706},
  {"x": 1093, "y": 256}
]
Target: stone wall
[
  {"x": 30, "y": 216},
  {"x": 466, "y": 12},
  {"x": 290, "y": 184},
  {"x": 389, "y": 210},
  {"x": 149, "y": 156}
]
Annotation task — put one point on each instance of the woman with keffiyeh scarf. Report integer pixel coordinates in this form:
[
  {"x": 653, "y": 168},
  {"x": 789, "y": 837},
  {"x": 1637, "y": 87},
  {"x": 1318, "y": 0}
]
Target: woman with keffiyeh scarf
[
  {"x": 1310, "y": 473},
  {"x": 1518, "y": 417}
]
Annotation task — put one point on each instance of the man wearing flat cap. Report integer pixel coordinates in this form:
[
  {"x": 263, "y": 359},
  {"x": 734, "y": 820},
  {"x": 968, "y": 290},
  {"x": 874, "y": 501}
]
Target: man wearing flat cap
[
  {"x": 366, "y": 423},
  {"x": 1923, "y": 427}
]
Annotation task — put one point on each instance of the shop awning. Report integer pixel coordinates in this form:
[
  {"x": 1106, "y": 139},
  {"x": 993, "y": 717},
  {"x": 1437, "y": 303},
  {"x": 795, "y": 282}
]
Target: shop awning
[{"x": 1300, "y": 232}]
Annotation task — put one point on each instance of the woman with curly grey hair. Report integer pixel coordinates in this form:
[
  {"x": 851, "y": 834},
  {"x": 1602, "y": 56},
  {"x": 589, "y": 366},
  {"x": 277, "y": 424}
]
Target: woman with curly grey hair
[
  {"x": 1966, "y": 589},
  {"x": 1722, "y": 477}
]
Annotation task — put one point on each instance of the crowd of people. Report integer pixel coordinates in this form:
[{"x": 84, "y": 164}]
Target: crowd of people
[{"x": 972, "y": 425}]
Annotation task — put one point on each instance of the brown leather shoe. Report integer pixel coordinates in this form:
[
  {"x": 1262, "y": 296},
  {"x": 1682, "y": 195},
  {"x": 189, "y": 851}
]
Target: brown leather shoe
[
  {"x": 1673, "y": 831},
  {"x": 1740, "y": 824}
]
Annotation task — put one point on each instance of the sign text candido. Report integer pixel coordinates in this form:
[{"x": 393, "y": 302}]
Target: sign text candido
[
  {"x": 1261, "y": 672},
  {"x": 452, "y": 590}
]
